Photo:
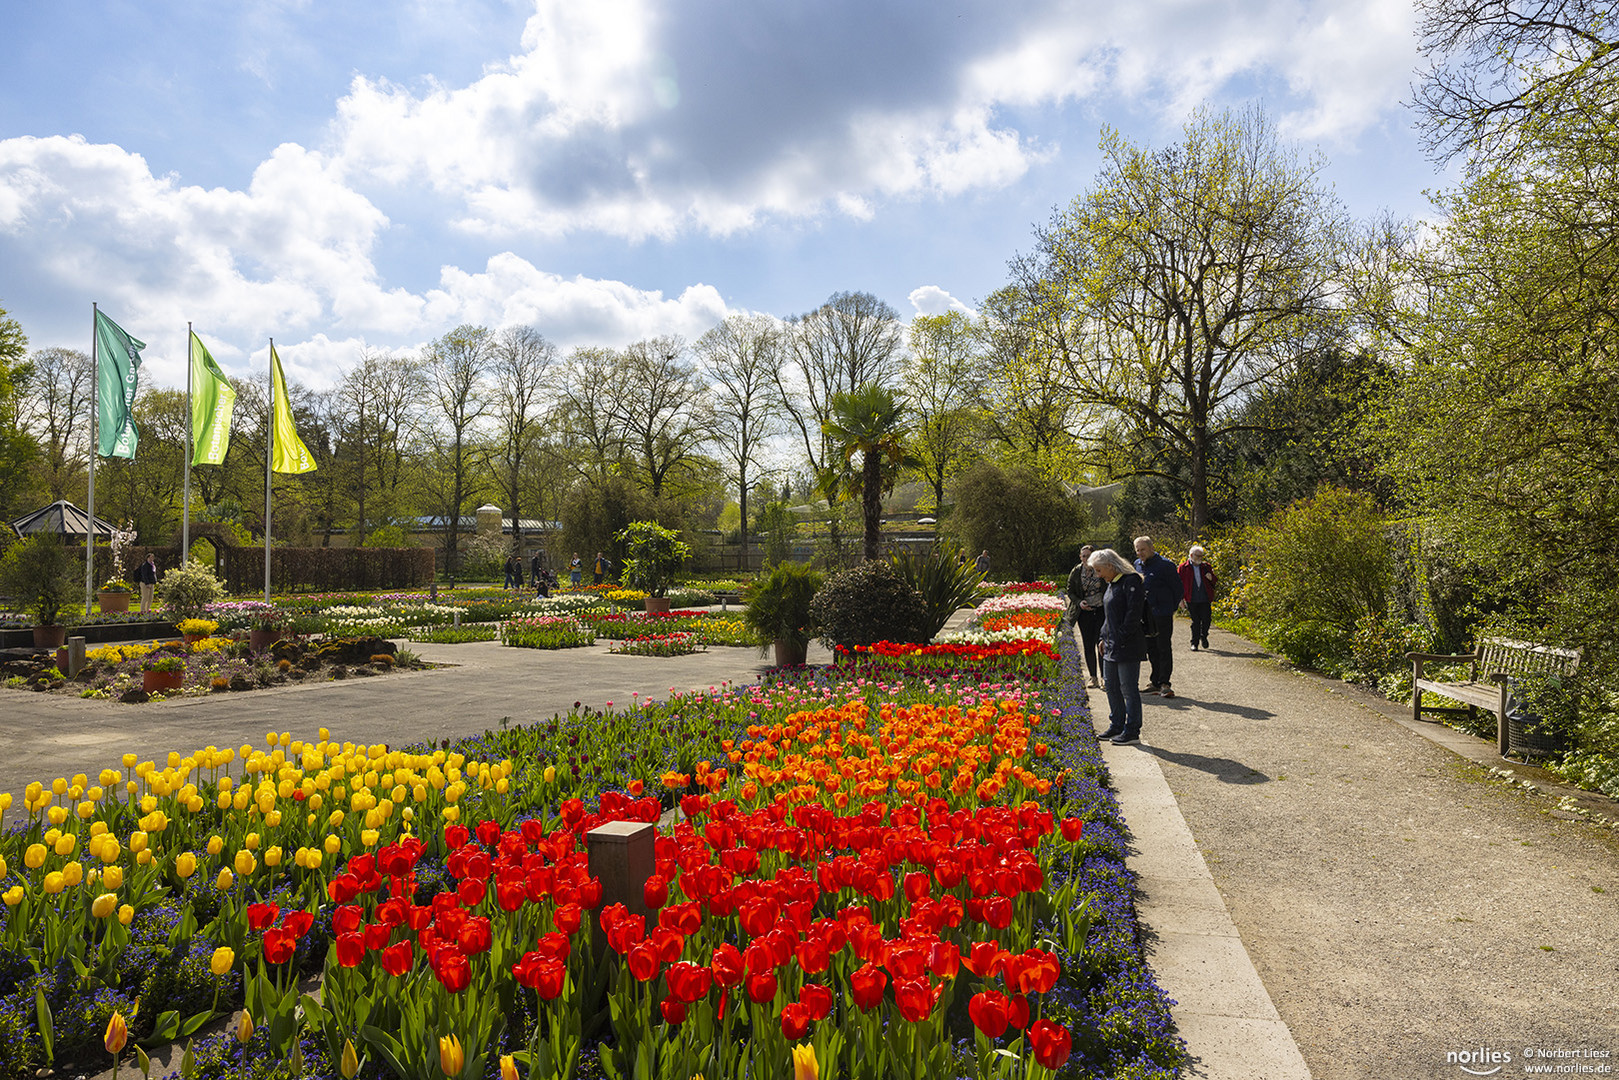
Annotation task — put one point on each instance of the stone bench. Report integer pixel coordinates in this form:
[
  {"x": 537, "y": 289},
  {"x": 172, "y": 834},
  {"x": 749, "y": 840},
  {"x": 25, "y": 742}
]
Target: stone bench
[{"x": 1492, "y": 667}]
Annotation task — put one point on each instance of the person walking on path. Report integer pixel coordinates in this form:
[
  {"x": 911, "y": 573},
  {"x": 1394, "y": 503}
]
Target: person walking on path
[
  {"x": 1198, "y": 583},
  {"x": 981, "y": 564},
  {"x": 146, "y": 578},
  {"x": 535, "y": 567},
  {"x": 600, "y": 570},
  {"x": 1123, "y": 644},
  {"x": 514, "y": 569},
  {"x": 1085, "y": 593},
  {"x": 1164, "y": 595},
  {"x": 576, "y": 570}
]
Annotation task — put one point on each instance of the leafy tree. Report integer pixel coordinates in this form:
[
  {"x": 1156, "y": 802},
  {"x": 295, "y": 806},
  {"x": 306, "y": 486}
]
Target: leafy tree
[
  {"x": 939, "y": 377},
  {"x": 1026, "y": 408},
  {"x": 456, "y": 364},
  {"x": 1185, "y": 280},
  {"x": 17, "y": 448},
  {"x": 55, "y": 407},
  {"x": 1017, "y": 515},
  {"x": 871, "y": 422}
]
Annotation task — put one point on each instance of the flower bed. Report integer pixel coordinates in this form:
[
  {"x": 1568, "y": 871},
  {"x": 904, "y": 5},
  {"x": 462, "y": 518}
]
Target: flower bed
[
  {"x": 711, "y": 628},
  {"x": 546, "y": 632},
  {"x": 453, "y": 635},
  {"x": 679, "y": 643},
  {"x": 906, "y": 863}
]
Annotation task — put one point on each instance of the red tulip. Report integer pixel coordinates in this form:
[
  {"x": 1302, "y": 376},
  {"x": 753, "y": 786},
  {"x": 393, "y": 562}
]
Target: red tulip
[
  {"x": 417, "y": 916},
  {"x": 471, "y": 891},
  {"x": 795, "y": 1021},
  {"x": 397, "y": 958},
  {"x": 488, "y": 832},
  {"x": 915, "y": 999},
  {"x": 475, "y": 936},
  {"x": 590, "y": 893},
  {"x": 986, "y": 959},
  {"x": 762, "y": 986},
  {"x": 655, "y": 892},
  {"x": 511, "y": 895},
  {"x": 643, "y": 960},
  {"x": 350, "y": 949},
  {"x": 944, "y": 959},
  {"x": 554, "y": 946},
  {"x": 918, "y": 886},
  {"x": 817, "y": 999},
  {"x": 377, "y": 935},
  {"x": 688, "y": 981},
  {"x": 297, "y": 923},
  {"x": 1017, "y": 1011},
  {"x": 867, "y": 983},
  {"x": 1072, "y": 829},
  {"x": 674, "y": 1011},
  {"x": 998, "y": 912},
  {"x": 568, "y": 918},
  {"x": 812, "y": 955},
  {"x": 456, "y": 836},
  {"x": 452, "y": 970},
  {"x": 279, "y": 945},
  {"x": 343, "y": 888},
  {"x": 345, "y": 920},
  {"x": 261, "y": 915},
  {"x": 727, "y": 965},
  {"x": 989, "y": 1013},
  {"x": 392, "y": 912},
  {"x": 1051, "y": 1042},
  {"x": 553, "y": 975}
]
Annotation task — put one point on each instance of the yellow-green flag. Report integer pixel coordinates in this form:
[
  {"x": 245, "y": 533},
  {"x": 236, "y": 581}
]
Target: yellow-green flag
[
  {"x": 291, "y": 455},
  {"x": 212, "y": 400}
]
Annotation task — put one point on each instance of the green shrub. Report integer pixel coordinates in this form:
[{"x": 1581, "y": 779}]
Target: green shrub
[
  {"x": 655, "y": 555},
  {"x": 39, "y": 575},
  {"x": 867, "y": 604},
  {"x": 1325, "y": 559},
  {"x": 943, "y": 583},
  {"x": 1379, "y": 645},
  {"x": 484, "y": 558},
  {"x": 186, "y": 590},
  {"x": 779, "y": 606},
  {"x": 1310, "y": 643},
  {"x": 1018, "y": 516}
]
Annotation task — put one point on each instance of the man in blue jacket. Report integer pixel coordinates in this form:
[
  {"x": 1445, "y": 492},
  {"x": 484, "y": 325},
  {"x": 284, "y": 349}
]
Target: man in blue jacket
[{"x": 1164, "y": 594}]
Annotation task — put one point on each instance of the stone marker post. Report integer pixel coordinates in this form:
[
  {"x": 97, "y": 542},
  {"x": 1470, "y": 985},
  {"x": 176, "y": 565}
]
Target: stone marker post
[
  {"x": 622, "y": 857},
  {"x": 75, "y": 656}
]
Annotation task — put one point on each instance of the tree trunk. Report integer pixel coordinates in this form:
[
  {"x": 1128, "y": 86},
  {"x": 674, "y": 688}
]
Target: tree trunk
[{"x": 872, "y": 498}]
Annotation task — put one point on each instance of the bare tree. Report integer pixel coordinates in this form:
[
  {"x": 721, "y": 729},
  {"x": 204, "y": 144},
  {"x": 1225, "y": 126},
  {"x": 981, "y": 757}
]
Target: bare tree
[
  {"x": 1503, "y": 71},
  {"x": 379, "y": 400},
  {"x": 852, "y": 341},
  {"x": 943, "y": 367},
  {"x": 591, "y": 439},
  {"x": 456, "y": 365},
  {"x": 662, "y": 409},
  {"x": 55, "y": 409},
  {"x": 521, "y": 360},
  {"x": 740, "y": 357}
]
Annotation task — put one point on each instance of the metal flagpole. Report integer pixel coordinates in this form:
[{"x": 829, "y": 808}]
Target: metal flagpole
[
  {"x": 191, "y": 439},
  {"x": 269, "y": 457},
  {"x": 95, "y": 445}
]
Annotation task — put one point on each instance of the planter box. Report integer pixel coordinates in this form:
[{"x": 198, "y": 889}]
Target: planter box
[
  {"x": 657, "y": 605},
  {"x": 112, "y": 602},
  {"x": 97, "y": 634}
]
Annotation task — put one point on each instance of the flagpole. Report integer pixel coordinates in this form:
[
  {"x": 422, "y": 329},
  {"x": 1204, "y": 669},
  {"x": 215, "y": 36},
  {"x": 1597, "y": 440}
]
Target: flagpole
[
  {"x": 95, "y": 394},
  {"x": 191, "y": 438},
  {"x": 269, "y": 457}
]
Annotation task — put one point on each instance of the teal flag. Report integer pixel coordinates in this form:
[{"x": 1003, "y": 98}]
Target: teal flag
[
  {"x": 117, "y": 374},
  {"x": 212, "y": 400}
]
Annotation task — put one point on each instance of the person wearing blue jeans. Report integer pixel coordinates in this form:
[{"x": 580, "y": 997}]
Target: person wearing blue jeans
[
  {"x": 1164, "y": 594},
  {"x": 1123, "y": 644}
]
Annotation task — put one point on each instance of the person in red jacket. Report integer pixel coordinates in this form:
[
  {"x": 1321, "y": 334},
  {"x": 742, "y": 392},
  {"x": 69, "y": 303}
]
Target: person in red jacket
[{"x": 1197, "y": 579}]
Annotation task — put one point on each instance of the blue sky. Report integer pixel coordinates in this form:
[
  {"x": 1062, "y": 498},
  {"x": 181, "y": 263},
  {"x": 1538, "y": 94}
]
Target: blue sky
[{"x": 335, "y": 177}]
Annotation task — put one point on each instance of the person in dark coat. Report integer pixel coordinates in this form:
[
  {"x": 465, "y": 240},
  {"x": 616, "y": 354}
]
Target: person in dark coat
[
  {"x": 1164, "y": 595},
  {"x": 146, "y": 578},
  {"x": 514, "y": 569},
  {"x": 1199, "y": 584},
  {"x": 535, "y": 566},
  {"x": 1123, "y": 644}
]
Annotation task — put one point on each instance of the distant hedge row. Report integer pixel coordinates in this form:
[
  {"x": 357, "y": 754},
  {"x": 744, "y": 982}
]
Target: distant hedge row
[{"x": 328, "y": 569}]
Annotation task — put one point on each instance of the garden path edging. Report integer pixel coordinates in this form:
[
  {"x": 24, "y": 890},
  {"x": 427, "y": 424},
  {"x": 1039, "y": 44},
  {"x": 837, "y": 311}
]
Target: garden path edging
[{"x": 1223, "y": 1011}]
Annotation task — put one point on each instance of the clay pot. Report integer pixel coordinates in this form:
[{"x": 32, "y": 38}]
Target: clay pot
[
  {"x": 260, "y": 640},
  {"x": 50, "y": 637},
  {"x": 790, "y": 653},
  {"x": 657, "y": 604},
  {"x": 154, "y": 682},
  {"x": 113, "y": 602}
]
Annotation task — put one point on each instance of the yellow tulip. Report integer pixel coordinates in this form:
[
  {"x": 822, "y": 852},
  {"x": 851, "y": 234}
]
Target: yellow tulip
[
  {"x": 65, "y": 844},
  {"x": 334, "y": 844},
  {"x": 225, "y": 880},
  {"x": 55, "y": 815},
  {"x": 451, "y": 1058},
  {"x": 349, "y": 1064},
  {"x": 59, "y": 785},
  {"x": 72, "y": 874},
  {"x": 251, "y": 841},
  {"x": 137, "y": 842},
  {"x": 4, "y": 869},
  {"x": 244, "y": 1028},
  {"x": 126, "y": 914},
  {"x": 272, "y": 856},
  {"x": 369, "y": 837},
  {"x": 34, "y": 857},
  {"x": 109, "y": 850},
  {"x": 805, "y": 1066},
  {"x": 314, "y": 859},
  {"x": 216, "y": 844},
  {"x": 185, "y": 864},
  {"x": 245, "y": 863},
  {"x": 117, "y": 1034},
  {"x": 508, "y": 1067},
  {"x": 113, "y": 877},
  {"x": 223, "y": 959},
  {"x": 13, "y": 896},
  {"x": 104, "y": 905},
  {"x": 53, "y": 883}
]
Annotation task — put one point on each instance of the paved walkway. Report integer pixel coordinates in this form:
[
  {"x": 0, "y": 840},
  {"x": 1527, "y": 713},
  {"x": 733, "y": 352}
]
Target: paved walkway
[
  {"x": 1400, "y": 907},
  {"x": 48, "y": 735}
]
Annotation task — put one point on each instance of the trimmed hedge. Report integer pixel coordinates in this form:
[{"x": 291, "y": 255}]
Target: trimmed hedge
[{"x": 299, "y": 569}]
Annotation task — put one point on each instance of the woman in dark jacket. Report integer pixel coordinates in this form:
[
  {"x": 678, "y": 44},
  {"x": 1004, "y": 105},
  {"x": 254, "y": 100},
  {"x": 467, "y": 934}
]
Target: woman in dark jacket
[
  {"x": 1123, "y": 644},
  {"x": 1085, "y": 591}
]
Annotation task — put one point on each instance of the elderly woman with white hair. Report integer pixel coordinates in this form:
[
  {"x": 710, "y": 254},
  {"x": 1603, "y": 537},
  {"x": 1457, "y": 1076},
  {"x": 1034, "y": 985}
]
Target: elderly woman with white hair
[
  {"x": 1197, "y": 578},
  {"x": 1123, "y": 644}
]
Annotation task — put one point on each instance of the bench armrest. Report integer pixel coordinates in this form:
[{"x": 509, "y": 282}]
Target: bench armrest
[{"x": 1441, "y": 656}]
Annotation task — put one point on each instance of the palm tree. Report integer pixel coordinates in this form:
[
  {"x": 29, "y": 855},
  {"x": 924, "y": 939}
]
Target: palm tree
[{"x": 870, "y": 421}]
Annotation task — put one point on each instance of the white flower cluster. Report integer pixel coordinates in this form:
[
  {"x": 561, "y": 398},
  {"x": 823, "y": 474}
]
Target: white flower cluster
[
  {"x": 560, "y": 605},
  {"x": 992, "y": 637},
  {"x": 1022, "y": 602}
]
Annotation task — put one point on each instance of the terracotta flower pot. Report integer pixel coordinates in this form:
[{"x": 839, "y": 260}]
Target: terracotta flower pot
[
  {"x": 790, "y": 653},
  {"x": 155, "y": 682},
  {"x": 50, "y": 637},
  {"x": 192, "y": 639},
  {"x": 259, "y": 640},
  {"x": 657, "y": 604},
  {"x": 61, "y": 658},
  {"x": 113, "y": 602}
]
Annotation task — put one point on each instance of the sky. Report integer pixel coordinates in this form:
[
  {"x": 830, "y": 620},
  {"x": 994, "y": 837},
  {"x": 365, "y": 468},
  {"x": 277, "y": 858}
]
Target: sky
[{"x": 606, "y": 171}]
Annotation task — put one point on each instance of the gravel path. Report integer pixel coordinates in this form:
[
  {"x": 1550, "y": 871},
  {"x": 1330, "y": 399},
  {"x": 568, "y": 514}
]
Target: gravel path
[{"x": 1400, "y": 907}]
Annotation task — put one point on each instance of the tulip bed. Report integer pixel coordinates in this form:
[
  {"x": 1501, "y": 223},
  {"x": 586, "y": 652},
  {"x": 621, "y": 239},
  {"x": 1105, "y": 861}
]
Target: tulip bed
[
  {"x": 902, "y": 866},
  {"x": 677, "y": 643}
]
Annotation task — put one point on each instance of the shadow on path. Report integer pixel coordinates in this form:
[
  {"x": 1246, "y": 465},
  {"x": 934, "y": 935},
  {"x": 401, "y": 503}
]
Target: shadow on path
[
  {"x": 1182, "y": 704},
  {"x": 1222, "y": 769}
]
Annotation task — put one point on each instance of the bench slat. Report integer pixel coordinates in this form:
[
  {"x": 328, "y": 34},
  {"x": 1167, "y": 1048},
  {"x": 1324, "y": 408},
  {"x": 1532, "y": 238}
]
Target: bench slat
[{"x": 1483, "y": 695}]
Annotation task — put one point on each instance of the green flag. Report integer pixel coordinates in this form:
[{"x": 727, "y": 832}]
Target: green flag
[
  {"x": 291, "y": 455},
  {"x": 212, "y": 400},
  {"x": 117, "y": 373}
]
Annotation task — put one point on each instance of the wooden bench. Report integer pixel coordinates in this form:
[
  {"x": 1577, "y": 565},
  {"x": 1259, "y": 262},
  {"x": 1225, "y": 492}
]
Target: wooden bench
[{"x": 1494, "y": 663}]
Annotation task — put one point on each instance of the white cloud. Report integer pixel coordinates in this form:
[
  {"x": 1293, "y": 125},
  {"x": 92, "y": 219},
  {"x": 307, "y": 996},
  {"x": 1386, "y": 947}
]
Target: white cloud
[{"x": 932, "y": 300}]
